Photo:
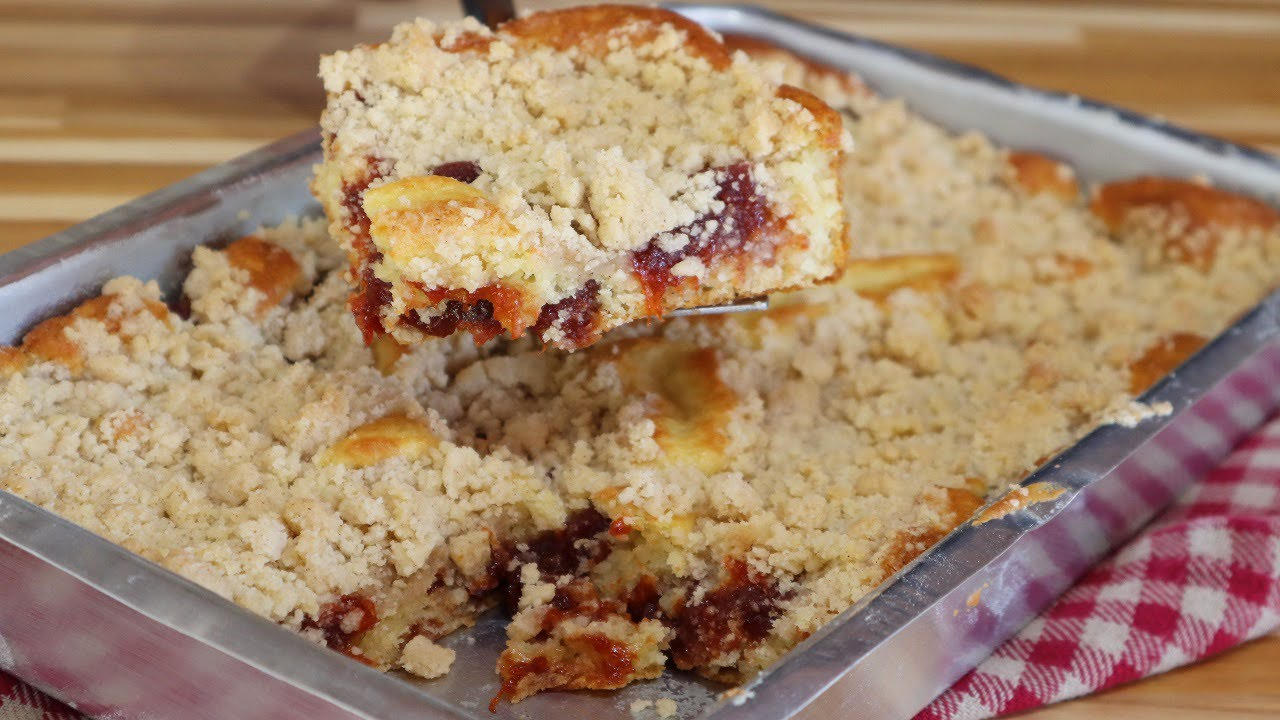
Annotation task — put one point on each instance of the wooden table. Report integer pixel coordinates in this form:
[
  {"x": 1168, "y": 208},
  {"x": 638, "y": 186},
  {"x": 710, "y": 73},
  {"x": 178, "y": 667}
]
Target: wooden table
[{"x": 103, "y": 101}]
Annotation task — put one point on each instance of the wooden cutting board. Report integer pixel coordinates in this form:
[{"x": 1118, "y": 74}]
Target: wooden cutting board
[{"x": 103, "y": 101}]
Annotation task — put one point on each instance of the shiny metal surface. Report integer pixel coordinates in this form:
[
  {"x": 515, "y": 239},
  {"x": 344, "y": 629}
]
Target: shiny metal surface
[
  {"x": 747, "y": 305},
  {"x": 124, "y": 638}
]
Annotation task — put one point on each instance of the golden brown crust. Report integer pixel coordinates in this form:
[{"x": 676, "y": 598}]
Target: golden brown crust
[
  {"x": 12, "y": 360},
  {"x": 472, "y": 42},
  {"x": 832, "y": 127},
  {"x": 1018, "y": 499},
  {"x": 1203, "y": 205},
  {"x": 1161, "y": 357},
  {"x": 394, "y": 436},
  {"x": 1191, "y": 216},
  {"x": 688, "y": 402},
  {"x": 273, "y": 271},
  {"x": 593, "y": 29},
  {"x": 954, "y": 506},
  {"x": 48, "y": 340},
  {"x": 1040, "y": 174}
]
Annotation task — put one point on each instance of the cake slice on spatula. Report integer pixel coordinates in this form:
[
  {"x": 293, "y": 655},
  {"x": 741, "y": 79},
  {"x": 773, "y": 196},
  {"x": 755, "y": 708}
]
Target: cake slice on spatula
[{"x": 570, "y": 172}]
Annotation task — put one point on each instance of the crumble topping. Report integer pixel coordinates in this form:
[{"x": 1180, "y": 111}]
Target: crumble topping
[
  {"x": 480, "y": 179},
  {"x": 705, "y": 492},
  {"x": 425, "y": 658}
]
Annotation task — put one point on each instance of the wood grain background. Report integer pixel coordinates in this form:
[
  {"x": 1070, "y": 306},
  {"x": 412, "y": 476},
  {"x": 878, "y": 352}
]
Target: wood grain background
[{"x": 104, "y": 100}]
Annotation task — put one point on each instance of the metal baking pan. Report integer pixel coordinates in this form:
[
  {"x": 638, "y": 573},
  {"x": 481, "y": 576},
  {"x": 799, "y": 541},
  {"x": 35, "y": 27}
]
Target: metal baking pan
[{"x": 120, "y": 637}]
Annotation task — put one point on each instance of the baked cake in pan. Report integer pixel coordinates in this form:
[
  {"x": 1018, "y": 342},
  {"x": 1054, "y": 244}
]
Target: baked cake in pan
[
  {"x": 703, "y": 493},
  {"x": 570, "y": 172}
]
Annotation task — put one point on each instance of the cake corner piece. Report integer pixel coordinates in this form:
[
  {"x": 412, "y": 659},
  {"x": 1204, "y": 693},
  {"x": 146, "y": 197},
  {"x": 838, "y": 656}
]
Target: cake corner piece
[{"x": 570, "y": 172}]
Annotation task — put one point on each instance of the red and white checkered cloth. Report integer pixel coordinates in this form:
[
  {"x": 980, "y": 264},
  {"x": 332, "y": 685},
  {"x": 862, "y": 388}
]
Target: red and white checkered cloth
[
  {"x": 20, "y": 701},
  {"x": 1203, "y": 578}
]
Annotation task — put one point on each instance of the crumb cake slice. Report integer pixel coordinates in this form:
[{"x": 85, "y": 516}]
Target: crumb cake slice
[
  {"x": 570, "y": 172},
  {"x": 703, "y": 493}
]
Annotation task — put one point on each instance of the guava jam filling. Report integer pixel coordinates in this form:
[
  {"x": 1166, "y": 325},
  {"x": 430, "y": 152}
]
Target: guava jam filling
[{"x": 745, "y": 225}]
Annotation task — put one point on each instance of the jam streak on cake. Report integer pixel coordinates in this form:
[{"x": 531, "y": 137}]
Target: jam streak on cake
[
  {"x": 642, "y": 601},
  {"x": 483, "y": 312},
  {"x": 371, "y": 294},
  {"x": 461, "y": 170},
  {"x": 578, "y": 316},
  {"x": 598, "y": 661},
  {"x": 737, "y": 614},
  {"x": 513, "y": 672},
  {"x": 488, "y": 310},
  {"x": 746, "y": 225},
  {"x": 571, "y": 550},
  {"x": 343, "y": 622}
]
